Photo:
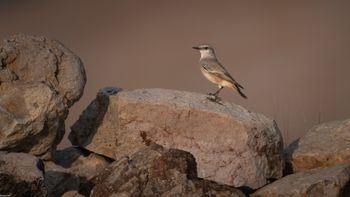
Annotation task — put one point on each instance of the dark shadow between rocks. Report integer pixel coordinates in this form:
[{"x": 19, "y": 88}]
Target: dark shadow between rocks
[
  {"x": 288, "y": 154},
  {"x": 66, "y": 157},
  {"x": 345, "y": 192},
  {"x": 59, "y": 183},
  {"x": 246, "y": 190},
  {"x": 83, "y": 131},
  {"x": 68, "y": 175}
]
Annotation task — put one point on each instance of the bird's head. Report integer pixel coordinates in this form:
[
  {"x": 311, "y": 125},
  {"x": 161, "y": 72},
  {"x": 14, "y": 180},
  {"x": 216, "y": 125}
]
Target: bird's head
[{"x": 206, "y": 50}]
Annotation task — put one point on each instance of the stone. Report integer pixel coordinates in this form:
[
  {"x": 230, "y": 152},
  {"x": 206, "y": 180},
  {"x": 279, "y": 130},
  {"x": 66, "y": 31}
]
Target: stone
[
  {"x": 72, "y": 194},
  {"x": 156, "y": 171},
  {"x": 39, "y": 80},
  {"x": 21, "y": 174},
  {"x": 73, "y": 169},
  {"x": 231, "y": 145},
  {"x": 325, "y": 182},
  {"x": 324, "y": 145},
  {"x": 80, "y": 161},
  {"x": 59, "y": 180}
]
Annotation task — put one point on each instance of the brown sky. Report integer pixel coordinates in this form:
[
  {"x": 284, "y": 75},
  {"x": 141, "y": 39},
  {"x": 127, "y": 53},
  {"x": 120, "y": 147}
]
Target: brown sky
[{"x": 293, "y": 57}]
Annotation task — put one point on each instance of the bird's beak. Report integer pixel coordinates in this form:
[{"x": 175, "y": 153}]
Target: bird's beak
[{"x": 197, "y": 48}]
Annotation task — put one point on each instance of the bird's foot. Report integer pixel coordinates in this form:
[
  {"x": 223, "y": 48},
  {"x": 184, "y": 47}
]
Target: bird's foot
[
  {"x": 214, "y": 98},
  {"x": 212, "y": 94}
]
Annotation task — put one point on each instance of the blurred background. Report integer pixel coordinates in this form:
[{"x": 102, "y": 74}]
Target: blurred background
[{"x": 292, "y": 57}]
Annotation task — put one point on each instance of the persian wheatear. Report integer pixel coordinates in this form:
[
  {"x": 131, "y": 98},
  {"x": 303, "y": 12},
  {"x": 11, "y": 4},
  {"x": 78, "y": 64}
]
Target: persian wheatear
[{"x": 215, "y": 72}]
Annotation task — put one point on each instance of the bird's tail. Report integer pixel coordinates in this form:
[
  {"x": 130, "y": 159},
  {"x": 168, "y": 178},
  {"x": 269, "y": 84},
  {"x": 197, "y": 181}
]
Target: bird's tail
[{"x": 235, "y": 87}]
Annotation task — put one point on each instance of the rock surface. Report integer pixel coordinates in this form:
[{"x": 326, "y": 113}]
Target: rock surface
[
  {"x": 39, "y": 80},
  {"x": 324, "y": 145},
  {"x": 326, "y": 182},
  {"x": 155, "y": 171},
  {"x": 231, "y": 145},
  {"x": 73, "y": 169},
  {"x": 21, "y": 175}
]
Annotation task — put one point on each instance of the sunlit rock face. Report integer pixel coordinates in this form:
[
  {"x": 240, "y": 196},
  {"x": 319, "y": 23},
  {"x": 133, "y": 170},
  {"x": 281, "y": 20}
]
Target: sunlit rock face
[{"x": 231, "y": 144}]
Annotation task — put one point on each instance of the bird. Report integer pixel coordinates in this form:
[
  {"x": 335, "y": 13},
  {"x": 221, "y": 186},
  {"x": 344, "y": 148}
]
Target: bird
[{"x": 215, "y": 72}]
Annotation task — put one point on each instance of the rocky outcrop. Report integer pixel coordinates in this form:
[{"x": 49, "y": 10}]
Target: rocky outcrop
[
  {"x": 73, "y": 169},
  {"x": 231, "y": 144},
  {"x": 324, "y": 145},
  {"x": 21, "y": 175},
  {"x": 326, "y": 182},
  {"x": 155, "y": 171},
  {"x": 39, "y": 80}
]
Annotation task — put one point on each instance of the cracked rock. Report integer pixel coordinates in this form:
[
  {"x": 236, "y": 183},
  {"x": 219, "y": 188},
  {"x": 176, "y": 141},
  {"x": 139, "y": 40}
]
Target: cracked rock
[
  {"x": 156, "y": 171},
  {"x": 39, "y": 80}
]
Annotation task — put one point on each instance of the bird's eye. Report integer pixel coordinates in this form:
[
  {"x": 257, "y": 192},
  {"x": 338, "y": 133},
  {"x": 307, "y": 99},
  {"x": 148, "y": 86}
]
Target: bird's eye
[{"x": 206, "y": 47}]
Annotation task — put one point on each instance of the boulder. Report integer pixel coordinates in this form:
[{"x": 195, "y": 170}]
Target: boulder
[
  {"x": 324, "y": 145},
  {"x": 155, "y": 171},
  {"x": 73, "y": 169},
  {"x": 39, "y": 80},
  {"x": 21, "y": 174},
  {"x": 231, "y": 144},
  {"x": 325, "y": 182}
]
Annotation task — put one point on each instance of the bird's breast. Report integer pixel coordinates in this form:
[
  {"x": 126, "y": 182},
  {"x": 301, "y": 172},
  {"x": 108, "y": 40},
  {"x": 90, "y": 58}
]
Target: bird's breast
[{"x": 210, "y": 76}]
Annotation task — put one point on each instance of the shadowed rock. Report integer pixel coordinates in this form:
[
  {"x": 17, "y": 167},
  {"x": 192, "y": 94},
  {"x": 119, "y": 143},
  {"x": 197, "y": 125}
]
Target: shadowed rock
[
  {"x": 155, "y": 171},
  {"x": 326, "y": 182},
  {"x": 21, "y": 175},
  {"x": 231, "y": 144},
  {"x": 324, "y": 145},
  {"x": 39, "y": 80},
  {"x": 72, "y": 169}
]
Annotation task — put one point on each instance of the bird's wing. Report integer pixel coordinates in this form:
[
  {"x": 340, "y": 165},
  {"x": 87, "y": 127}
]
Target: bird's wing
[{"x": 215, "y": 68}]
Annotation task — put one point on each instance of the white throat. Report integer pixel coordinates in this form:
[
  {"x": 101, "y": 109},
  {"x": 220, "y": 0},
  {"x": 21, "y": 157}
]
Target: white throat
[{"x": 206, "y": 54}]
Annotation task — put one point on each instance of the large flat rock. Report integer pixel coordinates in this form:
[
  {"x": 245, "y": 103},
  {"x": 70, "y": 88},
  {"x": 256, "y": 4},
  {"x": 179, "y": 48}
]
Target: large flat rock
[
  {"x": 325, "y": 182},
  {"x": 324, "y": 145},
  {"x": 231, "y": 144}
]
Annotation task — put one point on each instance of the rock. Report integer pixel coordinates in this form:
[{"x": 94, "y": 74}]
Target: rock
[
  {"x": 81, "y": 162},
  {"x": 72, "y": 194},
  {"x": 39, "y": 59},
  {"x": 155, "y": 171},
  {"x": 39, "y": 80},
  {"x": 73, "y": 169},
  {"x": 325, "y": 182},
  {"x": 324, "y": 145},
  {"x": 59, "y": 180},
  {"x": 21, "y": 175},
  {"x": 231, "y": 145}
]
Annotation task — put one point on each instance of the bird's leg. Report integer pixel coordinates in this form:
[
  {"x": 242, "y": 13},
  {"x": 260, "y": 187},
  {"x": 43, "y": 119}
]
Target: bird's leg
[
  {"x": 218, "y": 91},
  {"x": 215, "y": 97}
]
